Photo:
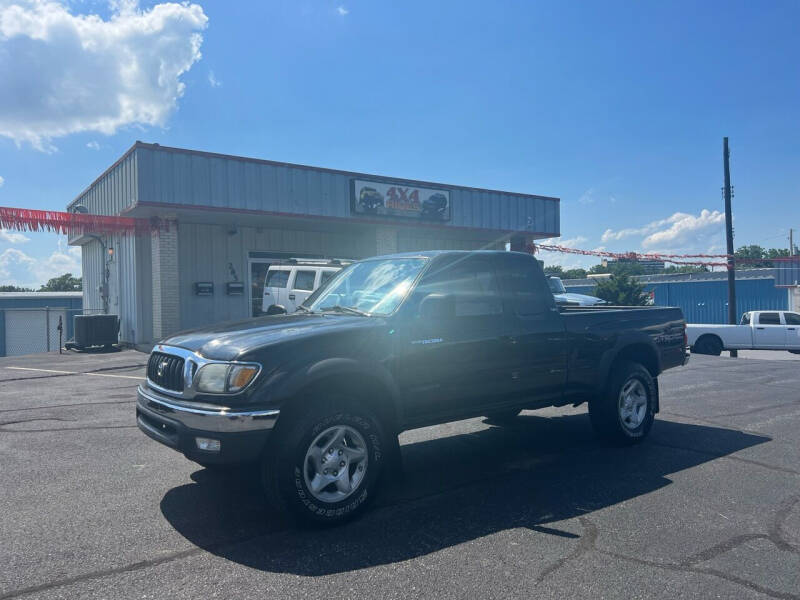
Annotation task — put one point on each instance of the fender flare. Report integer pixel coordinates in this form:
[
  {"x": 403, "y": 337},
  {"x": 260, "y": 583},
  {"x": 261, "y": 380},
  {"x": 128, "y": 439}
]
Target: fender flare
[
  {"x": 310, "y": 375},
  {"x": 623, "y": 342}
]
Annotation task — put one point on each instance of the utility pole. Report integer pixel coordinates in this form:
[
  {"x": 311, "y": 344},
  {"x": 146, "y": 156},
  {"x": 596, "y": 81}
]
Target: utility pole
[
  {"x": 732, "y": 316},
  {"x": 791, "y": 242}
]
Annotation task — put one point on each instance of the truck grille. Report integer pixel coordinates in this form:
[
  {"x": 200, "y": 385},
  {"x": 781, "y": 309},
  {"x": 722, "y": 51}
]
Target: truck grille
[{"x": 166, "y": 371}]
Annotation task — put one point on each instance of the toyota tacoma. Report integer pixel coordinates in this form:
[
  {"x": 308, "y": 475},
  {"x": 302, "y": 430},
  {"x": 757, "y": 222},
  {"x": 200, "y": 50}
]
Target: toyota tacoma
[{"x": 318, "y": 398}]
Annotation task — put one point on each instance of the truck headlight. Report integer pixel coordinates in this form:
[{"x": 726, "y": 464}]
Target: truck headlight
[{"x": 222, "y": 378}]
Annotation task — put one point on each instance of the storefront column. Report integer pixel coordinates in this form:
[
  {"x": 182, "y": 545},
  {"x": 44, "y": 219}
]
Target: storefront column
[
  {"x": 166, "y": 291},
  {"x": 385, "y": 241}
]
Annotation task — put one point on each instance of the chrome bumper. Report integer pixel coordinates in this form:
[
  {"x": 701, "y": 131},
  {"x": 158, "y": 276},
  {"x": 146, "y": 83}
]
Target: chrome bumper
[{"x": 222, "y": 421}]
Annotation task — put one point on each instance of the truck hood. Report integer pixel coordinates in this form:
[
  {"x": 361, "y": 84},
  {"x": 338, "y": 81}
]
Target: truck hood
[{"x": 227, "y": 341}]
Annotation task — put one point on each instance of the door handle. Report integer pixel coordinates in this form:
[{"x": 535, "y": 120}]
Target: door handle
[
  {"x": 291, "y": 296},
  {"x": 762, "y": 328},
  {"x": 790, "y": 329}
]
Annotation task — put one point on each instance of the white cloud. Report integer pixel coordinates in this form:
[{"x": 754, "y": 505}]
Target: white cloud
[
  {"x": 686, "y": 228},
  {"x": 13, "y": 237},
  {"x": 2, "y": 181},
  {"x": 213, "y": 81},
  {"x": 64, "y": 73},
  {"x": 342, "y": 11},
  {"x": 680, "y": 233},
  {"x": 93, "y": 145},
  {"x": 20, "y": 269}
]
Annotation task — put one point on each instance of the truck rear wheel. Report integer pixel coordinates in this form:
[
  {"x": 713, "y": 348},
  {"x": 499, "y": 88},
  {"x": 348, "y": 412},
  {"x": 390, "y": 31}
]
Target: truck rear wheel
[
  {"x": 624, "y": 414},
  {"x": 323, "y": 464},
  {"x": 708, "y": 344}
]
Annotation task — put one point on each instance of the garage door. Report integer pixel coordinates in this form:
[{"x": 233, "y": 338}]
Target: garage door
[{"x": 27, "y": 331}]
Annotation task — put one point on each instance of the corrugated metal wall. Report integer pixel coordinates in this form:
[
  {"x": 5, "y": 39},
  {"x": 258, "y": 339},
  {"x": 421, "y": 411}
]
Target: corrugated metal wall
[
  {"x": 707, "y": 301},
  {"x": 114, "y": 191},
  {"x": 205, "y": 251},
  {"x": 192, "y": 179}
]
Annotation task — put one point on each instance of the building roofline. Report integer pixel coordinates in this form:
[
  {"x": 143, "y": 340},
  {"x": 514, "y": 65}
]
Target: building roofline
[
  {"x": 322, "y": 169},
  {"x": 116, "y": 163}
]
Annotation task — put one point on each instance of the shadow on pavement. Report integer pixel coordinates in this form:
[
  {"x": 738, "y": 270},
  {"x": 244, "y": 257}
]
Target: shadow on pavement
[{"x": 455, "y": 489}]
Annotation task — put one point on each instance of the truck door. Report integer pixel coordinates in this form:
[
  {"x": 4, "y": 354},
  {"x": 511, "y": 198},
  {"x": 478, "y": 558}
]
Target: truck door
[
  {"x": 453, "y": 364},
  {"x": 535, "y": 341},
  {"x": 769, "y": 332},
  {"x": 792, "y": 330},
  {"x": 275, "y": 287},
  {"x": 302, "y": 286}
]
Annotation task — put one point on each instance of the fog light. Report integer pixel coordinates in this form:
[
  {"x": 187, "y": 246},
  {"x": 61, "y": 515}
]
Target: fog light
[{"x": 208, "y": 444}]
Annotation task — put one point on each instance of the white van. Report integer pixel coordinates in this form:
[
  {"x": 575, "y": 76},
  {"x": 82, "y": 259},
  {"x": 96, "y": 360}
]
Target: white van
[{"x": 290, "y": 284}]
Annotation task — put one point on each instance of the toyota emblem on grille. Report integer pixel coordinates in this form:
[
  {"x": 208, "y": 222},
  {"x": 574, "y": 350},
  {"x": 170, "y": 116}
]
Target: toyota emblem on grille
[{"x": 161, "y": 366}]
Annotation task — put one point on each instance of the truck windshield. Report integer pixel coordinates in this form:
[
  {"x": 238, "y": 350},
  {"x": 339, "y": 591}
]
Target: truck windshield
[
  {"x": 375, "y": 287},
  {"x": 556, "y": 285}
]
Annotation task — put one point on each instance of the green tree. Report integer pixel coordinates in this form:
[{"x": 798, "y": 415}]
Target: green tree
[
  {"x": 575, "y": 274},
  {"x": 14, "y": 288},
  {"x": 623, "y": 267},
  {"x": 756, "y": 253},
  {"x": 621, "y": 290},
  {"x": 554, "y": 270},
  {"x": 64, "y": 283}
]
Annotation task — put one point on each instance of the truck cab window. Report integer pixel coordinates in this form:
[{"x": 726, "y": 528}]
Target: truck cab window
[
  {"x": 523, "y": 285},
  {"x": 792, "y": 318},
  {"x": 745, "y": 319},
  {"x": 471, "y": 281},
  {"x": 770, "y": 318}
]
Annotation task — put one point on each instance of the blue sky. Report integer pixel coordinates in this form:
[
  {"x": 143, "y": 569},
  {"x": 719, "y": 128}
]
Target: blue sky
[{"x": 618, "y": 108}]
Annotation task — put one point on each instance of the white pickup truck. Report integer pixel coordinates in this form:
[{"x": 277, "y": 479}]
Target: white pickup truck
[{"x": 758, "y": 330}]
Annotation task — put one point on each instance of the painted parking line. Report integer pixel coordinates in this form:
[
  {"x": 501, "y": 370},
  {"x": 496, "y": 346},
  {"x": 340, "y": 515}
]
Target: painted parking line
[{"x": 139, "y": 377}]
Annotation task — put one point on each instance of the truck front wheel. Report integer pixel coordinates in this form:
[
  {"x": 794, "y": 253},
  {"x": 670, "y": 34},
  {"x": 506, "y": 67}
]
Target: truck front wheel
[
  {"x": 323, "y": 463},
  {"x": 624, "y": 413}
]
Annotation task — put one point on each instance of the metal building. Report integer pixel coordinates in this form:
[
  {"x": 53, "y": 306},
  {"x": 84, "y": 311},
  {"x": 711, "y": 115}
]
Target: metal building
[
  {"x": 29, "y": 320},
  {"x": 703, "y": 297},
  {"x": 231, "y": 217}
]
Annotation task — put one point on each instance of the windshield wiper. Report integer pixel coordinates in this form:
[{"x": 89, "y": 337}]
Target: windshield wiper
[
  {"x": 305, "y": 308},
  {"x": 345, "y": 309}
]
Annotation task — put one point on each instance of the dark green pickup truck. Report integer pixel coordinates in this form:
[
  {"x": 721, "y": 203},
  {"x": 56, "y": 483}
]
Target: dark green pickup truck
[{"x": 317, "y": 398}]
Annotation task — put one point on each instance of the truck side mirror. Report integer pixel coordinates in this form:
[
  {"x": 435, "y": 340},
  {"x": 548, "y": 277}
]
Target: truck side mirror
[
  {"x": 276, "y": 309},
  {"x": 437, "y": 307}
]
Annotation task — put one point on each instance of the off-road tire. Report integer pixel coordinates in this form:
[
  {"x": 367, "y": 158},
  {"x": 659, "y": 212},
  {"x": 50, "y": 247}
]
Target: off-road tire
[
  {"x": 284, "y": 460},
  {"x": 606, "y": 412},
  {"x": 708, "y": 344}
]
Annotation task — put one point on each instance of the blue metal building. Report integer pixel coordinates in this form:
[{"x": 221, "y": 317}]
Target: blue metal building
[
  {"x": 29, "y": 320},
  {"x": 703, "y": 297}
]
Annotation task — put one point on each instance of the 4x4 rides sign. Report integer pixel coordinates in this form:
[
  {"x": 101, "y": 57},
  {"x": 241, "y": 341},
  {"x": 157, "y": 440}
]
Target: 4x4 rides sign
[{"x": 399, "y": 200}]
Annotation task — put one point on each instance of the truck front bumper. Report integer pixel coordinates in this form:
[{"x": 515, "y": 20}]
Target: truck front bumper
[{"x": 239, "y": 435}]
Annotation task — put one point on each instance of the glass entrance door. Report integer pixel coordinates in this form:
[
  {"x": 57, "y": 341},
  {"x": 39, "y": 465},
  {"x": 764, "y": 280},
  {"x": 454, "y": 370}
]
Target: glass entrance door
[{"x": 258, "y": 272}]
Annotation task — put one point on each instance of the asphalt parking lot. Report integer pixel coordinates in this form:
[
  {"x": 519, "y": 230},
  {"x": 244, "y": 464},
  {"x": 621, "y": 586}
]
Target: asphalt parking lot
[{"x": 709, "y": 506}]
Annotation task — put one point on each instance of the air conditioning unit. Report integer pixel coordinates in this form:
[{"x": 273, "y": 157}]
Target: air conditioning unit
[{"x": 96, "y": 330}]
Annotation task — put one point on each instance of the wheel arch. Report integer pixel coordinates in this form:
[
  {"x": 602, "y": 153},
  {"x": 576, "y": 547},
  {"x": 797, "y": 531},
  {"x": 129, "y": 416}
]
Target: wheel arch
[
  {"x": 708, "y": 336},
  {"x": 370, "y": 383}
]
